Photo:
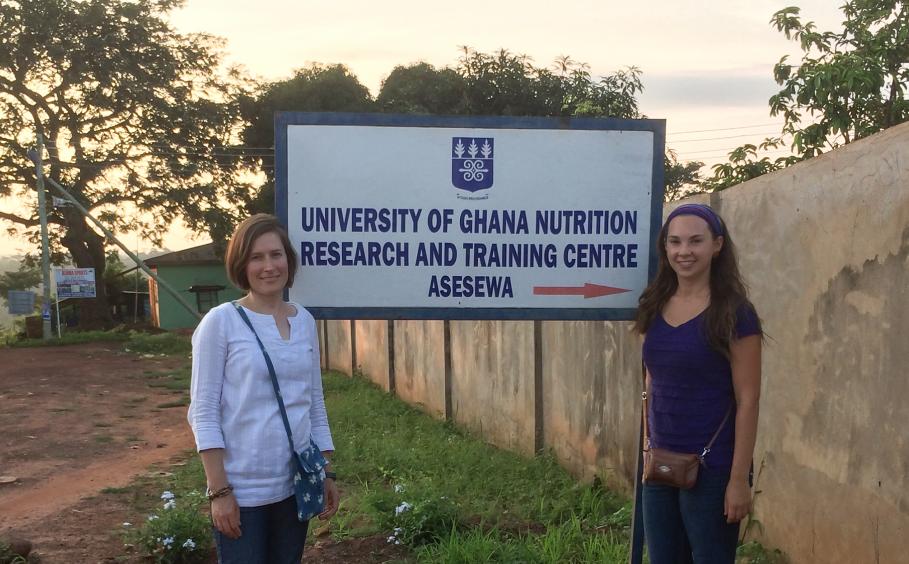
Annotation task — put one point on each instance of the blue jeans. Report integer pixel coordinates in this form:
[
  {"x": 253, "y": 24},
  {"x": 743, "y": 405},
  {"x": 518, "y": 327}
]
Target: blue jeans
[
  {"x": 270, "y": 534},
  {"x": 688, "y": 526}
]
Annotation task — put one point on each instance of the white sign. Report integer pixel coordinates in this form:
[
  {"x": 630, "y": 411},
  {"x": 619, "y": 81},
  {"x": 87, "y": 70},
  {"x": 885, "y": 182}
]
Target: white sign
[
  {"x": 75, "y": 282},
  {"x": 470, "y": 222}
]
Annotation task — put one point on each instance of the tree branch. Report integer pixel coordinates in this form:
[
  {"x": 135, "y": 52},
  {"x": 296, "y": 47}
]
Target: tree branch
[{"x": 18, "y": 219}]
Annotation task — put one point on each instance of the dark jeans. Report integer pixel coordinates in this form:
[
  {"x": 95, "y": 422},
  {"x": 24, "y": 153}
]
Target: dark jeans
[
  {"x": 688, "y": 526},
  {"x": 270, "y": 534}
]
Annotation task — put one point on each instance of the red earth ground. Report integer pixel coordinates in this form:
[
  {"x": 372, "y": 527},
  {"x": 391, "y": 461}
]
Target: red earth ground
[{"x": 81, "y": 418}]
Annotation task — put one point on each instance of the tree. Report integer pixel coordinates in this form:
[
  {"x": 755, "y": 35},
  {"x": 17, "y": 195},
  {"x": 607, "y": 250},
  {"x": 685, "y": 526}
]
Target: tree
[
  {"x": 138, "y": 121},
  {"x": 849, "y": 84},
  {"x": 422, "y": 89},
  {"x": 680, "y": 179},
  {"x": 503, "y": 83},
  {"x": 26, "y": 277},
  {"x": 316, "y": 88}
]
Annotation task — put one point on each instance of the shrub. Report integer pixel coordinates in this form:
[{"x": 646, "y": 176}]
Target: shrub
[
  {"x": 422, "y": 520},
  {"x": 178, "y": 533}
]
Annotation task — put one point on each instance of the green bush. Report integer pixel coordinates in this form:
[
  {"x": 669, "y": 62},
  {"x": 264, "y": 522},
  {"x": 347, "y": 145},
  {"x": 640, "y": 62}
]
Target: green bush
[
  {"x": 178, "y": 533},
  {"x": 424, "y": 519},
  {"x": 7, "y": 556}
]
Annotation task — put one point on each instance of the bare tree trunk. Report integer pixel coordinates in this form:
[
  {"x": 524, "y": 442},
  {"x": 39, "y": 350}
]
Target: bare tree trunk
[{"x": 87, "y": 249}]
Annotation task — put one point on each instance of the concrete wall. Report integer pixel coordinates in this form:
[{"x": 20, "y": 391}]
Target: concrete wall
[
  {"x": 492, "y": 381},
  {"x": 824, "y": 246},
  {"x": 420, "y": 365},
  {"x": 372, "y": 351},
  {"x": 339, "y": 351},
  {"x": 591, "y": 382}
]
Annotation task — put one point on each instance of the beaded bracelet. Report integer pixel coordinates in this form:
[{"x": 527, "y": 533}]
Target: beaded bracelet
[{"x": 226, "y": 490}]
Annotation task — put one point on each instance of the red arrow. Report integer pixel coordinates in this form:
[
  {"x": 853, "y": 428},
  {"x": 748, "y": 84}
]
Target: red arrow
[{"x": 588, "y": 290}]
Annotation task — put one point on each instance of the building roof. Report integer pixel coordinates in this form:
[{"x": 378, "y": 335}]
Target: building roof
[{"x": 203, "y": 254}]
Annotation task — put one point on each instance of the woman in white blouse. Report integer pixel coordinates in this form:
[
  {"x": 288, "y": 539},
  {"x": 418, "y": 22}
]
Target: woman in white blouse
[{"x": 234, "y": 413}]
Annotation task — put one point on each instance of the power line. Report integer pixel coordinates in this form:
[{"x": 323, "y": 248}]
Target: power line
[
  {"x": 719, "y": 138},
  {"x": 725, "y": 128}
]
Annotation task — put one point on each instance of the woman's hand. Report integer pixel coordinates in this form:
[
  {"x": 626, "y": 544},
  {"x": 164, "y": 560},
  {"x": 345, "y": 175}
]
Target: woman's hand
[
  {"x": 332, "y": 498},
  {"x": 738, "y": 500},
  {"x": 225, "y": 514}
]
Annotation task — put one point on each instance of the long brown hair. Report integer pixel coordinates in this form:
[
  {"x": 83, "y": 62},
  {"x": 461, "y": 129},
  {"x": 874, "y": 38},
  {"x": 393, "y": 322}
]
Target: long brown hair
[{"x": 728, "y": 292}]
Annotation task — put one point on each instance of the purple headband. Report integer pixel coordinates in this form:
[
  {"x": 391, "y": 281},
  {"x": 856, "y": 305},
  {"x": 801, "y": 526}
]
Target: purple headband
[{"x": 703, "y": 212}]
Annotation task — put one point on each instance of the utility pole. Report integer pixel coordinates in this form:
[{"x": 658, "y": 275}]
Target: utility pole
[{"x": 37, "y": 157}]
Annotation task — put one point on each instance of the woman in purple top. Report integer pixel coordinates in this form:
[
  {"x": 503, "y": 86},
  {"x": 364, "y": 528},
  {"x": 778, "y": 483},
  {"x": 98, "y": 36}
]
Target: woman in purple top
[{"x": 702, "y": 353}]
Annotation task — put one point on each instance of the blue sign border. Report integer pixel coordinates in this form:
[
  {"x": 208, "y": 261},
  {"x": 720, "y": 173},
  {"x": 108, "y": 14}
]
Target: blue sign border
[{"x": 656, "y": 126}]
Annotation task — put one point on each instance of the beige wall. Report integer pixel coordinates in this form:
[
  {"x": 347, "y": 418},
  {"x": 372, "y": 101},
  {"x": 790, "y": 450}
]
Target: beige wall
[
  {"x": 492, "y": 386},
  {"x": 591, "y": 382},
  {"x": 372, "y": 351},
  {"x": 420, "y": 365},
  {"x": 824, "y": 246},
  {"x": 339, "y": 357}
]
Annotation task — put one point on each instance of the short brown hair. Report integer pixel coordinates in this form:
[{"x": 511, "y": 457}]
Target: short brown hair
[{"x": 237, "y": 255}]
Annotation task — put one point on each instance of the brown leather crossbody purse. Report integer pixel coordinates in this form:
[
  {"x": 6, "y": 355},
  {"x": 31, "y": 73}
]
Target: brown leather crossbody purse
[{"x": 676, "y": 469}]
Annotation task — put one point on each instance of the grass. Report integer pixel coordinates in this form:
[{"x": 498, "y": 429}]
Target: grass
[
  {"x": 116, "y": 491},
  {"x": 468, "y": 501},
  {"x": 178, "y": 403},
  {"x": 177, "y": 381},
  {"x": 159, "y": 344},
  {"x": 137, "y": 342},
  {"x": 518, "y": 509},
  {"x": 72, "y": 338}
]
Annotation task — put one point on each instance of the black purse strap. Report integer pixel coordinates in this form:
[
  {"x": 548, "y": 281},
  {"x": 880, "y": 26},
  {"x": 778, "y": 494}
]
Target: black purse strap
[{"x": 271, "y": 372}]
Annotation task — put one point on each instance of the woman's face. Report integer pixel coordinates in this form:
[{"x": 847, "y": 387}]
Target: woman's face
[
  {"x": 266, "y": 270},
  {"x": 691, "y": 246}
]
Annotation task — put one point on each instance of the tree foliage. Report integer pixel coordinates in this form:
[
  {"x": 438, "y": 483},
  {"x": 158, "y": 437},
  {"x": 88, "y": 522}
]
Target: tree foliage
[
  {"x": 680, "y": 179},
  {"x": 500, "y": 83},
  {"x": 138, "y": 121},
  {"x": 848, "y": 85},
  {"x": 316, "y": 88},
  {"x": 25, "y": 278}
]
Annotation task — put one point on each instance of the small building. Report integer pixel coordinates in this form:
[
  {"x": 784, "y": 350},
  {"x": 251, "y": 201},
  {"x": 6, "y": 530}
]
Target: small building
[{"x": 199, "y": 275}]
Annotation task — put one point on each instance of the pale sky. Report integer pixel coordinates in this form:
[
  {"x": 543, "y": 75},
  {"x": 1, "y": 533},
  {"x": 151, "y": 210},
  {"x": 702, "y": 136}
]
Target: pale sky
[{"x": 707, "y": 65}]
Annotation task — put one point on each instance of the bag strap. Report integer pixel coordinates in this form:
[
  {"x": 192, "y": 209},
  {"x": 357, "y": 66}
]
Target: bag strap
[
  {"x": 271, "y": 372},
  {"x": 645, "y": 411}
]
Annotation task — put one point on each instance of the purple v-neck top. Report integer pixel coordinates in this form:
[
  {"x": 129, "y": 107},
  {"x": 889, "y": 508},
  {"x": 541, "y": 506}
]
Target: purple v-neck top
[{"x": 691, "y": 387}]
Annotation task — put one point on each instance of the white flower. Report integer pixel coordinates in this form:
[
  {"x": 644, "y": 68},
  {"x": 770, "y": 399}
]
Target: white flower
[
  {"x": 152, "y": 517},
  {"x": 397, "y": 542},
  {"x": 127, "y": 524},
  {"x": 167, "y": 495},
  {"x": 167, "y": 542},
  {"x": 171, "y": 504},
  {"x": 398, "y": 530},
  {"x": 392, "y": 539},
  {"x": 402, "y": 508},
  {"x": 189, "y": 544},
  {"x": 399, "y": 488}
]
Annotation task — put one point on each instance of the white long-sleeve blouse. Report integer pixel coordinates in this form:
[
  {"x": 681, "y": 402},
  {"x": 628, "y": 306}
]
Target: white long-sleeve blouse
[{"x": 233, "y": 405}]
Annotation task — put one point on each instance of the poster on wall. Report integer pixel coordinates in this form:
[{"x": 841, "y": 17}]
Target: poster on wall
[{"x": 421, "y": 217}]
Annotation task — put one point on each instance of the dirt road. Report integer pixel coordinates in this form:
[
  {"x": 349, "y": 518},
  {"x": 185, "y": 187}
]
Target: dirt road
[{"x": 73, "y": 421}]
